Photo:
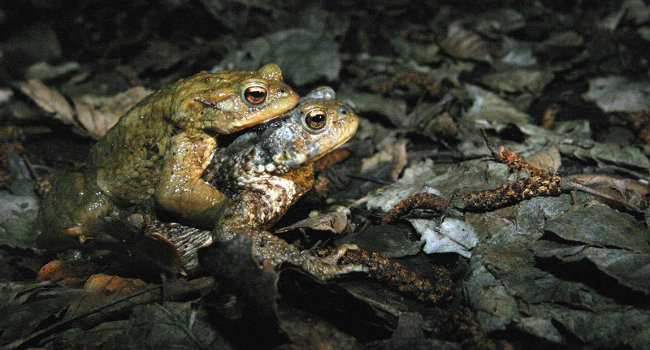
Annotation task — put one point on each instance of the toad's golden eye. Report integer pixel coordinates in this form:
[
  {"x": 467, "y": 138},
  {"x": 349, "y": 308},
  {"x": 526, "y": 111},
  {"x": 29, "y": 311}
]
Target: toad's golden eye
[
  {"x": 255, "y": 95},
  {"x": 316, "y": 120}
]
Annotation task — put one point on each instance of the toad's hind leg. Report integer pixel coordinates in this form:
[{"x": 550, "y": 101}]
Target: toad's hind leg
[{"x": 66, "y": 210}]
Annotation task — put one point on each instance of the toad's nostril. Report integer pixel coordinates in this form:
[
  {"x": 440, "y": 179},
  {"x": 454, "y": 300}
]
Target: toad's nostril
[{"x": 283, "y": 91}]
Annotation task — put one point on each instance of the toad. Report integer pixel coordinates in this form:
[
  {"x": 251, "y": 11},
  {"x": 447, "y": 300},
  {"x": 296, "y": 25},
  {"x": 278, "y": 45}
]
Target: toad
[
  {"x": 155, "y": 155},
  {"x": 264, "y": 172}
]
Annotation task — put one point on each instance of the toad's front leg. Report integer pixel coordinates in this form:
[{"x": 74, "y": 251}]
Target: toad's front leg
[
  {"x": 180, "y": 189},
  {"x": 256, "y": 209},
  {"x": 270, "y": 250}
]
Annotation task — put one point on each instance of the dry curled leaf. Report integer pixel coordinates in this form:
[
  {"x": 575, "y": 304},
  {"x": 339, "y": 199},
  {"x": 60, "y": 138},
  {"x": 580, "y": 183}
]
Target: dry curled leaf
[
  {"x": 97, "y": 114},
  {"x": 49, "y": 100},
  {"x": 628, "y": 190},
  {"x": 442, "y": 125},
  {"x": 464, "y": 43},
  {"x": 394, "y": 154},
  {"x": 334, "y": 222},
  {"x": 72, "y": 273},
  {"x": 102, "y": 288}
]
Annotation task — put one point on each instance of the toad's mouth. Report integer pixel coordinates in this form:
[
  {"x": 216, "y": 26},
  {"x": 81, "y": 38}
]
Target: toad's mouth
[
  {"x": 332, "y": 148},
  {"x": 224, "y": 141},
  {"x": 257, "y": 128}
]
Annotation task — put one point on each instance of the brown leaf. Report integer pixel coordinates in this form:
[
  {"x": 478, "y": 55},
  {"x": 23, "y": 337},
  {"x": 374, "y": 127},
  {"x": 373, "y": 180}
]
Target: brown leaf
[
  {"x": 102, "y": 288},
  {"x": 335, "y": 222},
  {"x": 49, "y": 100},
  {"x": 442, "y": 125},
  {"x": 548, "y": 159},
  {"x": 464, "y": 43},
  {"x": 394, "y": 154},
  {"x": 109, "y": 285},
  {"x": 628, "y": 190},
  {"x": 73, "y": 273},
  {"x": 97, "y": 114}
]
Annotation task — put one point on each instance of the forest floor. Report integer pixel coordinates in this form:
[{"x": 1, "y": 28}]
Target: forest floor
[{"x": 565, "y": 85}]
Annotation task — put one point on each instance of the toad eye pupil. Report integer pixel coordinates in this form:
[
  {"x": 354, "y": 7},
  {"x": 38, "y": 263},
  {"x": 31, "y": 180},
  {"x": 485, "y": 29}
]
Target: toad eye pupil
[
  {"x": 255, "y": 95},
  {"x": 316, "y": 119}
]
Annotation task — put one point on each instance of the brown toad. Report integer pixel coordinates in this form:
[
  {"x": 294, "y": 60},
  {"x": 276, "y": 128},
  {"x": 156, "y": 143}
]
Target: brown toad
[
  {"x": 263, "y": 173},
  {"x": 159, "y": 149}
]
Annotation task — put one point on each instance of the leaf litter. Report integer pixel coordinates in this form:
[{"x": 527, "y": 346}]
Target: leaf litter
[{"x": 571, "y": 271}]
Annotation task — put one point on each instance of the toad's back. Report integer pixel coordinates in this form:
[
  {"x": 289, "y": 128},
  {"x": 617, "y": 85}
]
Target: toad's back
[{"x": 170, "y": 135}]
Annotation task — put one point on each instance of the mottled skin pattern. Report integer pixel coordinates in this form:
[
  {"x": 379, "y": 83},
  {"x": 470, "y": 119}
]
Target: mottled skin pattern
[
  {"x": 267, "y": 170},
  {"x": 263, "y": 173},
  {"x": 159, "y": 149}
]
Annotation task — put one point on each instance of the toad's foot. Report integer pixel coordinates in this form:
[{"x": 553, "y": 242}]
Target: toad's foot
[
  {"x": 270, "y": 251},
  {"x": 187, "y": 241}
]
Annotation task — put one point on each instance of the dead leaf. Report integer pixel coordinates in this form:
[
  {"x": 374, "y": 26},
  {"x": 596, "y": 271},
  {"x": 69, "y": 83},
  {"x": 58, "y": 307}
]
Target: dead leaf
[
  {"x": 17, "y": 214},
  {"x": 394, "y": 154},
  {"x": 413, "y": 180},
  {"x": 233, "y": 264},
  {"x": 97, "y": 114},
  {"x": 636, "y": 11},
  {"x": 310, "y": 331},
  {"x": 101, "y": 289},
  {"x": 334, "y": 222},
  {"x": 305, "y": 56},
  {"x": 73, "y": 273},
  {"x": 630, "y": 269},
  {"x": 168, "y": 326},
  {"x": 601, "y": 226},
  {"x": 27, "y": 307},
  {"x": 394, "y": 109},
  {"x": 563, "y": 39},
  {"x": 43, "y": 70},
  {"x": 493, "y": 112},
  {"x": 619, "y": 94},
  {"x": 107, "y": 284},
  {"x": 409, "y": 334},
  {"x": 548, "y": 159},
  {"x": 519, "y": 80},
  {"x": 452, "y": 235},
  {"x": 49, "y": 100},
  {"x": 328, "y": 304},
  {"x": 464, "y": 43},
  {"x": 6, "y": 95},
  {"x": 442, "y": 125},
  {"x": 628, "y": 190},
  {"x": 390, "y": 241}
]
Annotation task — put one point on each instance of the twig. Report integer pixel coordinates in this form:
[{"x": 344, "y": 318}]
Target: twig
[{"x": 20, "y": 342}]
